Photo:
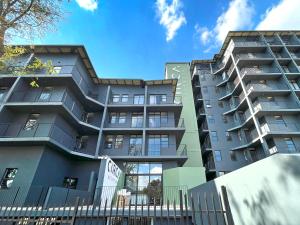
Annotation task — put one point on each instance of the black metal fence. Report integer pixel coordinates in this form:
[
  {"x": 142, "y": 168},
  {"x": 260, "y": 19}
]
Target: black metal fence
[{"x": 182, "y": 209}]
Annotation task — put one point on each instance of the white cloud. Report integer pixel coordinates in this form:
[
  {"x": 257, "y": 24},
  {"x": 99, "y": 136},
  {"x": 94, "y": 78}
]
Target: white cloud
[
  {"x": 90, "y": 5},
  {"x": 284, "y": 16},
  {"x": 237, "y": 16},
  {"x": 170, "y": 16}
]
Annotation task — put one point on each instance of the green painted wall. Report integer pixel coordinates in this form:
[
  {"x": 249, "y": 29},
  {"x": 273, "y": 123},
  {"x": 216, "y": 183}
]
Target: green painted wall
[{"x": 193, "y": 172}]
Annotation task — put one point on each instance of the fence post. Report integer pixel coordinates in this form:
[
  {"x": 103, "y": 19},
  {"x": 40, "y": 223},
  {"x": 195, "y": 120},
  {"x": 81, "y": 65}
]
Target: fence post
[
  {"x": 227, "y": 206},
  {"x": 181, "y": 208},
  {"x": 72, "y": 222}
]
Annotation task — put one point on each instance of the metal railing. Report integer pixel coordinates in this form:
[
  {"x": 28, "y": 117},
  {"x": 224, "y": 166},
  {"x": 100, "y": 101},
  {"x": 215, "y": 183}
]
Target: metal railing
[
  {"x": 283, "y": 127},
  {"x": 252, "y": 70},
  {"x": 252, "y": 56},
  {"x": 172, "y": 124},
  {"x": 42, "y": 130},
  {"x": 65, "y": 98},
  {"x": 272, "y": 105},
  {"x": 152, "y": 204},
  {"x": 264, "y": 87},
  {"x": 248, "y": 43},
  {"x": 160, "y": 99},
  {"x": 166, "y": 150}
]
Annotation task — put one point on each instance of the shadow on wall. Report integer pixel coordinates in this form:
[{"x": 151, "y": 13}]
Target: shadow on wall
[{"x": 272, "y": 198}]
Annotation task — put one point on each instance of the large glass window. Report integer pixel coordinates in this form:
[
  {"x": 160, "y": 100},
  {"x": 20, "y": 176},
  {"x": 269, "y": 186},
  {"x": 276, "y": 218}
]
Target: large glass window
[
  {"x": 158, "y": 119},
  {"x": 144, "y": 181},
  {"x": 158, "y": 99},
  {"x": 117, "y": 118},
  {"x": 156, "y": 142},
  {"x": 138, "y": 99},
  {"x": 218, "y": 155},
  {"x": 137, "y": 120},
  {"x": 8, "y": 178},
  {"x": 115, "y": 142},
  {"x": 124, "y": 98},
  {"x": 115, "y": 98},
  {"x": 135, "y": 145},
  {"x": 119, "y": 141}
]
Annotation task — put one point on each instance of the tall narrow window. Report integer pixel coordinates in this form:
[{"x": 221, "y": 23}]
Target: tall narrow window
[
  {"x": 31, "y": 122},
  {"x": 218, "y": 155},
  {"x": 232, "y": 155},
  {"x": 214, "y": 136},
  {"x": 158, "y": 119},
  {"x": 138, "y": 99},
  {"x": 109, "y": 141},
  {"x": 137, "y": 120},
  {"x": 8, "y": 178},
  {"x": 135, "y": 145},
  {"x": 122, "y": 118},
  {"x": 119, "y": 141}
]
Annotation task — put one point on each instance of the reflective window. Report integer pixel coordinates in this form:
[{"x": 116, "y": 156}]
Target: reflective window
[
  {"x": 138, "y": 99},
  {"x": 135, "y": 145},
  {"x": 137, "y": 120},
  {"x": 119, "y": 141},
  {"x": 218, "y": 155},
  {"x": 290, "y": 144},
  {"x": 109, "y": 141},
  {"x": 157, "y": 99},
  {"x": 158, "y": 119},
  {"x": 8, "y": 178},
  {"x": 214, "y": 136},
  {"x": 117, "y": 118},
  {"x": 124, "y": 98},
  {"x": 116, "y": 98},
  {"x": 156, "y": 142}
]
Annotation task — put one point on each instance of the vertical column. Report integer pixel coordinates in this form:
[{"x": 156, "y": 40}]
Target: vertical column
[
  {"x": 9, "y": 93},
  {"x": 145, "y": 120},
  {"x": 102, "y": 122}
]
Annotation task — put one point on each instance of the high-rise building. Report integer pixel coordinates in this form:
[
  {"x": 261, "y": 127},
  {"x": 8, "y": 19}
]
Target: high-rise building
[
  {"x": 247, "y": 99},
  {"x": 56, "y": 135}
]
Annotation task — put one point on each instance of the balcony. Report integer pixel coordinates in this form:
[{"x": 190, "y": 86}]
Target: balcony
[
  {"x": 210, "y": 166},
  {"x": 49, "y": 133},
  {"x": 250, "y": 43},
  {"x": 206, "y": 146},
  {"x": 37, "y": 99},
  {"x": 276, "y": 106},
  {"x": 280, "y": 128},
  {"x": 249, "y": 139},
  {"x": 270, "y": 89},
  {"x": 252, "y": 56},
  {"x": 257, "y": 72},
  {"x": 244, "y": 119}
]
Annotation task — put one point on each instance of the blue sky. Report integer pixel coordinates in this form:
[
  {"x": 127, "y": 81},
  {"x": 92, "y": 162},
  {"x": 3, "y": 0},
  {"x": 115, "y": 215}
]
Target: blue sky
[{"x": 135, "y": 38}]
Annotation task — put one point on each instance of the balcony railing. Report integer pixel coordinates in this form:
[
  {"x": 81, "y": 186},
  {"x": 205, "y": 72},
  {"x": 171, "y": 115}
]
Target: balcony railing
[
  {"x": 159, "y": 124},
  {"x": 65, "y": 98},
  {"x": 252, "y": 56},
  {"x": 166, "y": 150},
  {"x": 43, "y": 130},
  {"x": 272, "y": 105},
  {"x": 280, "y": 127},
  {"x": 159, "y": 100},
  {"x": 248, "y": 43},
  {"x": 264, "y": 87},
  {"x": 252, "y": 70}
]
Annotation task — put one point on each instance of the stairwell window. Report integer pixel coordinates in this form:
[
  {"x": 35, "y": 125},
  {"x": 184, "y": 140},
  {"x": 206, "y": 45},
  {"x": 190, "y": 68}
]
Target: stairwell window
[
  {"x": 8, "y": 178},
  {"x": 214, "y": 136},
  {"x": 207, "y": 104}
]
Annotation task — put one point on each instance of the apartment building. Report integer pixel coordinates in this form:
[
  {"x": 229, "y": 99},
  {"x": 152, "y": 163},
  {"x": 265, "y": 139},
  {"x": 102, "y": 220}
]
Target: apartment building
[
  {"x": 56, "y": 135},
  {"x": 247, "y": 99}
]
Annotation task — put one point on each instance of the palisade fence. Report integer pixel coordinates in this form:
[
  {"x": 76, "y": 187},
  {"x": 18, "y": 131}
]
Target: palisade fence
[{"x": 113, "y": 206}]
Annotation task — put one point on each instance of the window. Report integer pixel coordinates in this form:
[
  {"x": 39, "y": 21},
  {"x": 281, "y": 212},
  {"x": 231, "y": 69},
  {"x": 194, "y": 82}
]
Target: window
[
  {"x": 70, "y": 182},
  {"x": 218, "y": 155},
  {"x": 156, "y": 142},
  {"x": 228, "y": 136},
  {"x": 232, "y": 155},
  {"x": 135, "y": 145},
  {"x": 124, "y": 98},
  {"x": 158, "y": 119},
  {"x": 109, "y": 141},
  {"x": 207, "y": 104},
  {"x": 8, "y": 178},
  {"x": 46, "y": 93},
  {"x": 119, "y": 118},
  {"x": 214, "y": 136},
  {"x": 294, "y": 84},
  {"x": 138, "y": 99},
  {"x": 2, "y": 92},
  {"x": 81, "y": 142},
  {"x": 56, "y": 69},
  {"x": 210, "y": 119},
  {"x": 144, "y": 181},
  {"x": 137, "y": 120},
  {"x": 279, "y": 120},
  {"x": 116, "y": 98},
  {"x": 204, "y": 89},
  {"x": 290, "y": 145},
  {"x": 158, "y": 99},
  {"x": 31, "y": 122},
  {"x": 119, "y": 141}
]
